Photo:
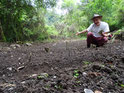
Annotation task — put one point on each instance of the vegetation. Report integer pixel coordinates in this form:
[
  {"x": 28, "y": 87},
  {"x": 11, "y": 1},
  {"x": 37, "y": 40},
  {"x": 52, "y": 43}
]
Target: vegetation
[{"x": 30, "y": 20}]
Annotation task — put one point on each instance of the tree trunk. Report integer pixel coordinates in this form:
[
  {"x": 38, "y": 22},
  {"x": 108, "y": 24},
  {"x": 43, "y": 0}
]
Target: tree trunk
[{"x": 2, "y": 37}]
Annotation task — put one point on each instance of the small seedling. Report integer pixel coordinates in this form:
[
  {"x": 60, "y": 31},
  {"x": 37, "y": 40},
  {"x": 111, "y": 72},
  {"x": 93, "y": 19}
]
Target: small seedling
[
  {"x": 77, "y": 82},
  {"x": 47, "y": 86},
  {"x": 102, "y": 65},
  {"x": 39, "y": 77},
  {"x": 76, "y": 73},
  {"x": 58, "y": 86},
  {"x": 46, "y": 75},
  {"x": 86, "y": 62},
  {"x": 122, "y": 85},
  {"x": 43, "y": 75}
]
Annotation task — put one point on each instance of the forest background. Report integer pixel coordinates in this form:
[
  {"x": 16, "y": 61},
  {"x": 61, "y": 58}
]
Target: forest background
[{"x": 39, "y": 20}]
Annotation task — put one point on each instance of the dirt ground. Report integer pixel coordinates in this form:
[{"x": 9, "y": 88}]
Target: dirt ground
[{"x": 62, "y": 67}]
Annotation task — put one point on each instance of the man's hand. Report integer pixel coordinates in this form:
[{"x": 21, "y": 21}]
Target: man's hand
[
  {"x": 105, "y": 34},
  {"x": 78, "y": 33}
]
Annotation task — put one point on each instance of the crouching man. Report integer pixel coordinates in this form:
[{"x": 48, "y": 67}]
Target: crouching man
[{"x": 97, "y": 32}]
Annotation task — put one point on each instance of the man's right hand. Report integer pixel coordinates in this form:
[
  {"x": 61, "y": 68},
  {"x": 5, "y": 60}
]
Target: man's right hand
[{"x": 78, "y": 33}]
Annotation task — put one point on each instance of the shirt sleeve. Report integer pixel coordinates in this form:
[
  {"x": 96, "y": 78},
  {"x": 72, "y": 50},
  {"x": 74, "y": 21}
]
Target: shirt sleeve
[
  {"x": 106, "y": 29},
  {"x": 89, "y": 29}
]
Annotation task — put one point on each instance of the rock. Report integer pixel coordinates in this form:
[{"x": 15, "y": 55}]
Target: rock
[
  {"x": 19, "y": 58},
  {"x": 10, "y": 89},
  {"x": 84, "y": 74},
  {"x": 33, "y": 75},
  {"x": 54, "y": 77},
  {"x": 46, "y": 49},
  {"x": 28, "y": 44},
  {"x": 15, "y": 46},
  {"x": 44, "y": 74},
  {"x": 51, "y": 52},
  {"x": 96, "y": 67},
  {"x": 23, "y": 82},
  {"x": 110, "y": 59},
  {"x": 6, "y": 48},
  {"x": 11, "y": 56},
  {"x": 20, "y": 68},
  {"x": 88, "y": 91},
  {"x": 97, "y": 91},
  {"x": 7, "y": 85},
  {"x": 9, "y": 68}
]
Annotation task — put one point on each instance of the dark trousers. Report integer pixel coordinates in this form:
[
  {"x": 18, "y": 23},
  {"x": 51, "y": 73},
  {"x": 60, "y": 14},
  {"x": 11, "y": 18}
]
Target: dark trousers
[{"x": 99, "y": 41}]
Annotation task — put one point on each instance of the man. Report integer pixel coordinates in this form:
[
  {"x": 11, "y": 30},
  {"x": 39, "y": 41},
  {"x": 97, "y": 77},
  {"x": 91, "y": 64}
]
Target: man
[{"x": 97, "y": 32}]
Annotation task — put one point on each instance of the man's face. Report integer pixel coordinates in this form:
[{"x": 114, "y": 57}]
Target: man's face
[{"x": 97, "y": 21}]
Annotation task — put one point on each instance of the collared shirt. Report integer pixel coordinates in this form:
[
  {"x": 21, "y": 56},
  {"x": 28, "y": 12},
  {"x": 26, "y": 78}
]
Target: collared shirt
[{"x": 97, "y": 30}]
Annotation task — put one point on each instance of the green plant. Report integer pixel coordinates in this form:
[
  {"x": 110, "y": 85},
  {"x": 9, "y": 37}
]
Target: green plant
[
  {"x": 86, "y": 62},
  {"x": 76, "y": 73},
  {"x": 39, "y": 77},
  {"x": 122, "y": 85}
]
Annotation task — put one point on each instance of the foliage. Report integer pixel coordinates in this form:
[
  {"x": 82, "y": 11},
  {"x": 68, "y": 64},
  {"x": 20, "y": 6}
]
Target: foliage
[
  {"x": 111, "y": 10},
  {"x": 32, "y": 20},
  {"x": 23, "y": 19}
]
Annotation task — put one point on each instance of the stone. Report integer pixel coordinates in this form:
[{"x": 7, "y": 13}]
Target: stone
[
  {"x": 15, "y": 46},
  {"x": 88, "y": 91},
  {"x": 33, "y": 75},
  {"x": 96, "y": 67},
  {"x": 21, "y": 67},
  {"x": 23, "y": 82},
  {"x": 97, "y": 91},
  {"x": 6, "y": 48},
  {"x": 46, "y": 49},
  {"x": 84, "y": 74},
  {"x": 10, "y": 89},
  {"x": 28, "y": 44},
  {"x": 54, "y": 77},
  {"x": 7, "y": 85},
  {"x": 9, "y": 68}
]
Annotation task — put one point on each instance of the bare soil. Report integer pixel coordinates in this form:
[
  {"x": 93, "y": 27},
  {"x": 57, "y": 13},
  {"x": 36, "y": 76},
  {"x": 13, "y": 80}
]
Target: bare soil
[{"x": 62, "y": 67}]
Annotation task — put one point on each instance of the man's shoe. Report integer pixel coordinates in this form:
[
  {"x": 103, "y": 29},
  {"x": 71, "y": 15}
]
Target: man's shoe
[
  {"x": 97, "y": 46},
  {"x": 88, "y": 46},
  {"x": 110, "y": 37}
]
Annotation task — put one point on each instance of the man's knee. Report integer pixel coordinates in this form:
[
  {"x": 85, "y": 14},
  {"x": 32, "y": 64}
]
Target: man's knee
[
  {"x": 90, "y": 34},
  {"x": 105, "y": 39}
]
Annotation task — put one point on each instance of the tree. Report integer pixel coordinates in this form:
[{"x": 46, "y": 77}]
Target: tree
[{"x": 21, "y": 18}]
